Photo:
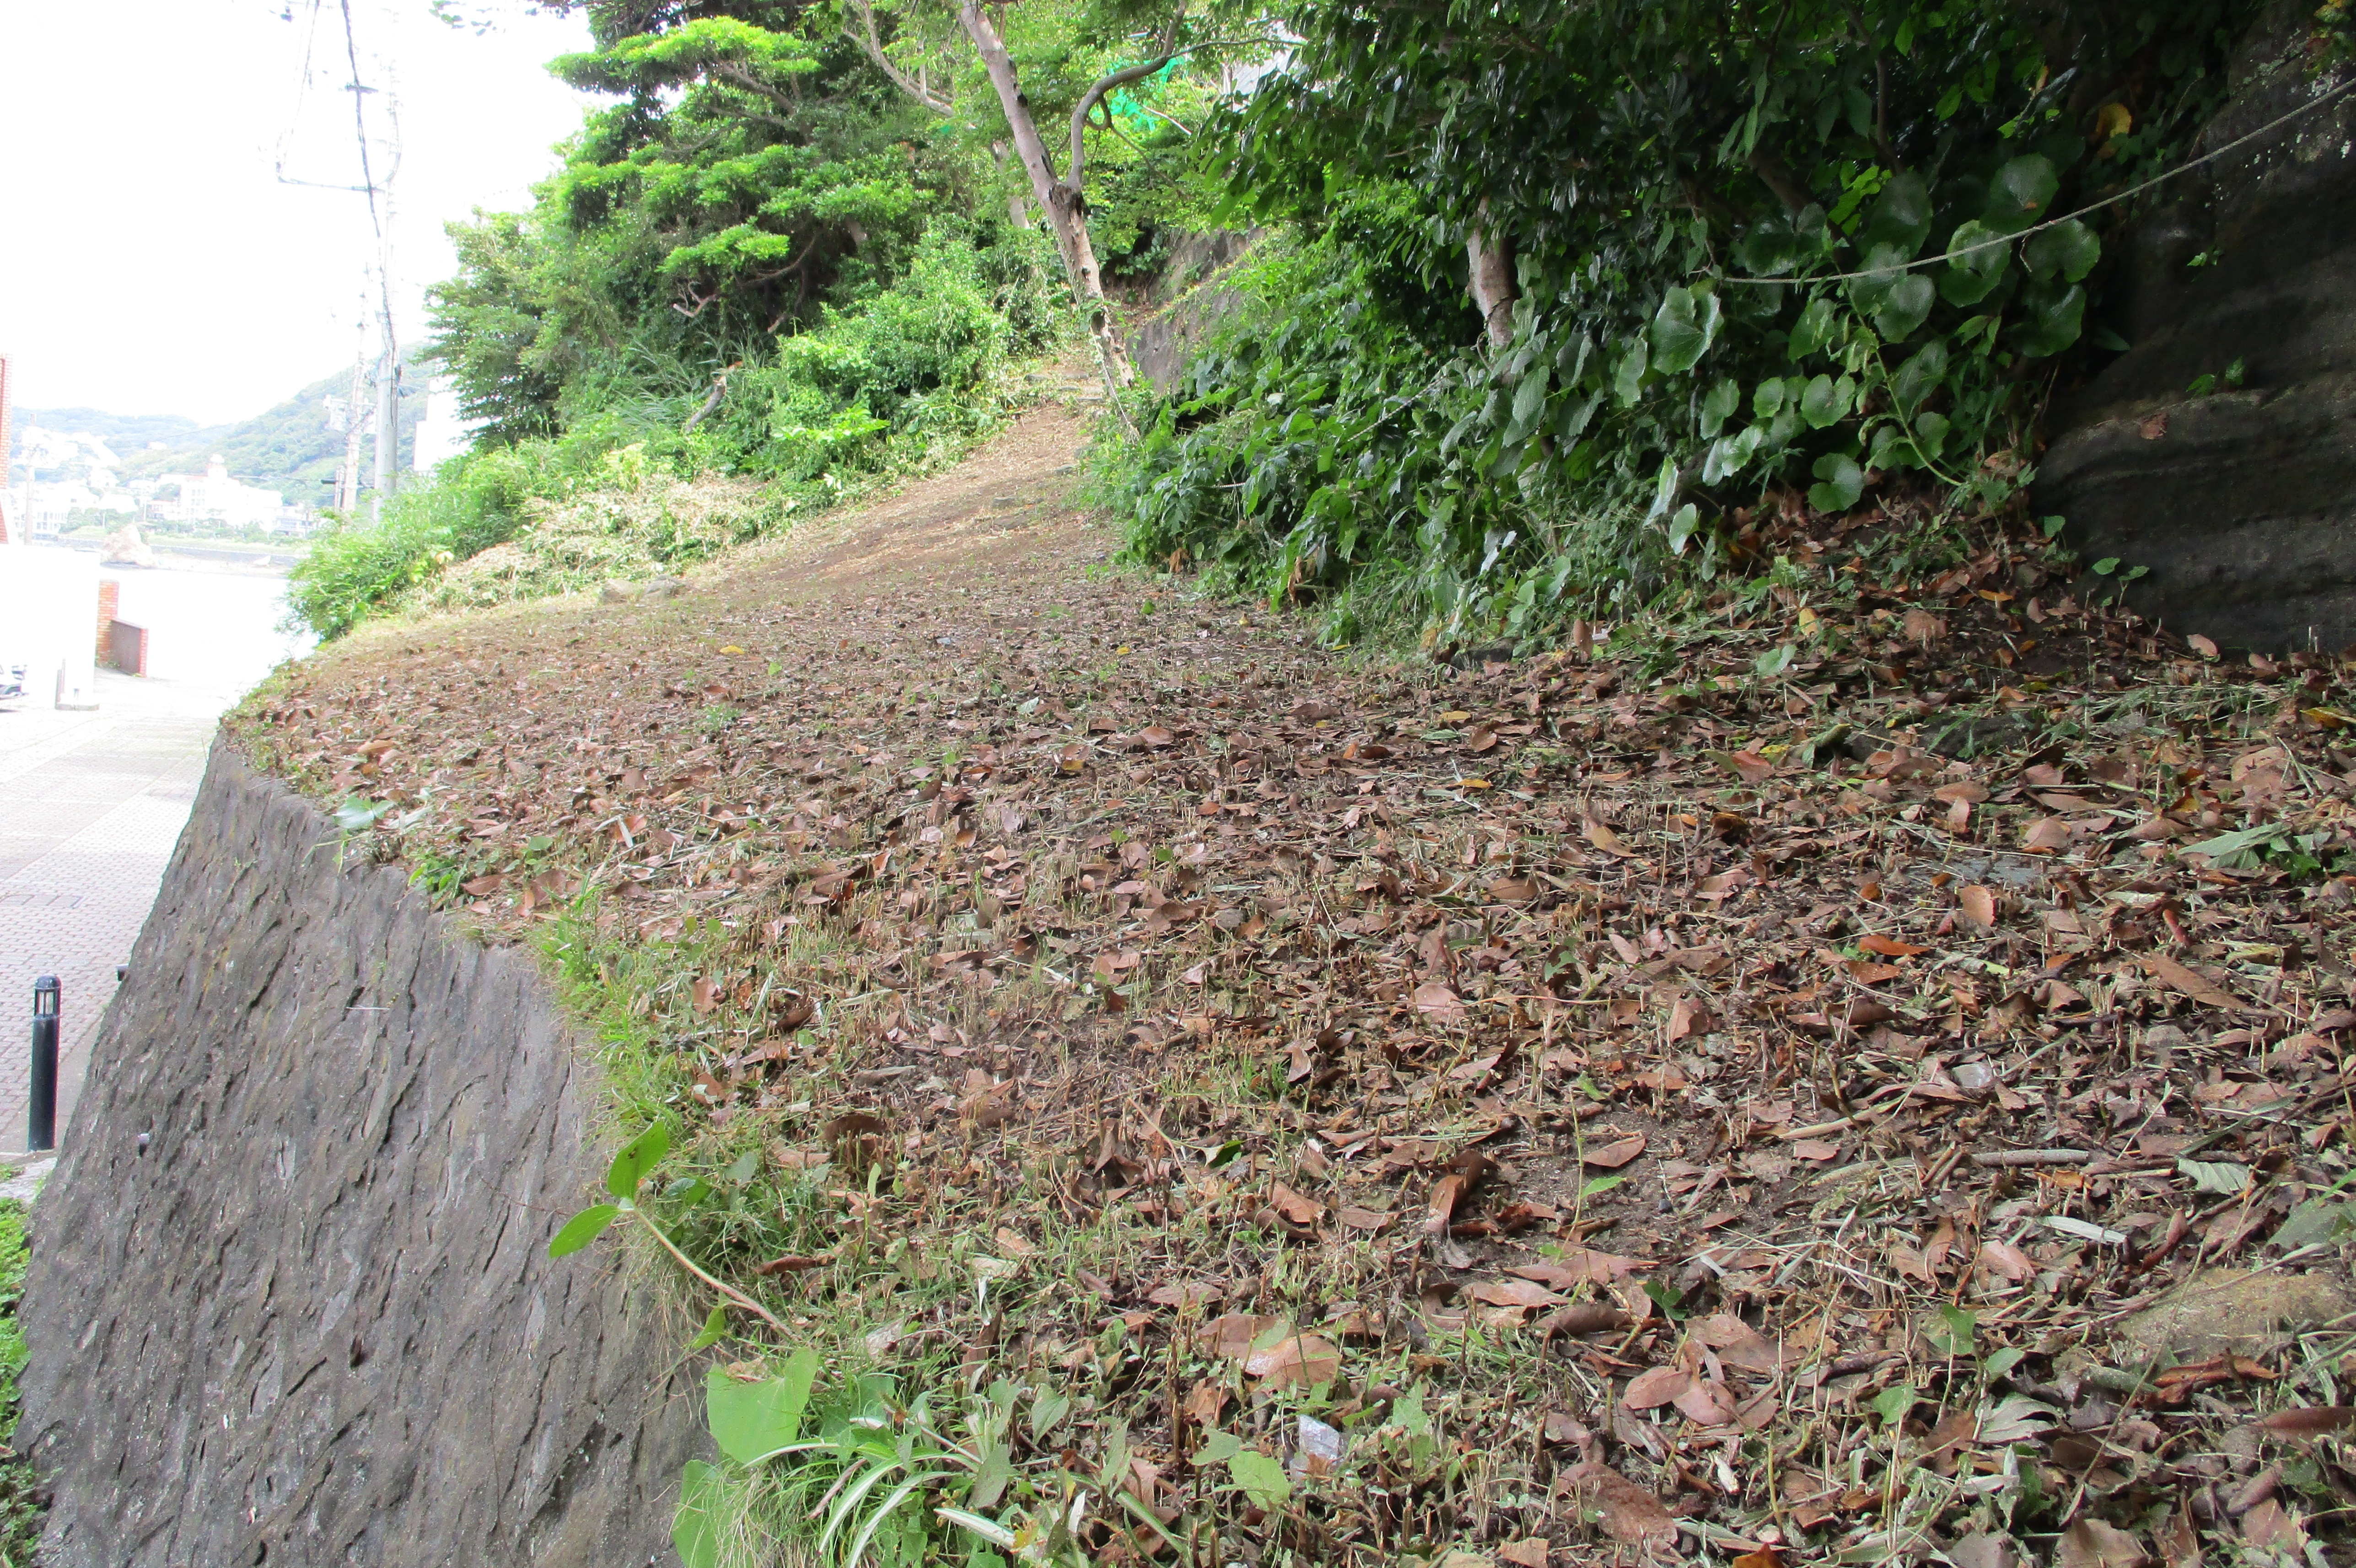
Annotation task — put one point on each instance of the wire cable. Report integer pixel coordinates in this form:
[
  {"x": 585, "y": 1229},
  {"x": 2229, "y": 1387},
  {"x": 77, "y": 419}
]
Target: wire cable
[{"x": 2335, "y": 95}]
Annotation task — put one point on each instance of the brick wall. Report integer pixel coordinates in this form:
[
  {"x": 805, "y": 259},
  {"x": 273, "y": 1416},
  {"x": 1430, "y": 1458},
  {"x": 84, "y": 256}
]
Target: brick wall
[{"x": 110, "y": 600}]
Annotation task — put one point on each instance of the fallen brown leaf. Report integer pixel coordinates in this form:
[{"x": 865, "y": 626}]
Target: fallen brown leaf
[
  {"x": 1615, "y": 1153},
  {"x": 1655, "y": 1387},
  {"x": 2091, "y": 1543},
  {"x": 2183, "y": 981},
  {"x": 1628, "y": 1513},
  {"x": 1306, "y": 1359}
]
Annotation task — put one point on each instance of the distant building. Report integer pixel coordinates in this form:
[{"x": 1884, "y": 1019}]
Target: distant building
[
  {"x": 81, "y": 478},
  {"x": 213, "y": 497}
]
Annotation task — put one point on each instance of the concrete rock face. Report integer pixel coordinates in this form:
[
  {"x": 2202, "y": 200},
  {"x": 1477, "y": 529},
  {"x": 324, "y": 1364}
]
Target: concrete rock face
[
  {"x": 290, "y": 1299},
  {"x": 1164, "y": 341},
  {"x": 2241, "y": 502}
]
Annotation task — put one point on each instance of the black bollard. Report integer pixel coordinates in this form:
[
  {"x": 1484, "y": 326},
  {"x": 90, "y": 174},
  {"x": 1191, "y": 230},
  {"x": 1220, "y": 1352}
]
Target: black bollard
[{"x": 41, "y": 1115}]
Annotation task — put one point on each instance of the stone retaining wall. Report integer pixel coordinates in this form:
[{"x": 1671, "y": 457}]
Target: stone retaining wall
[
  {"x": 2240, "y": 502},
  {"x": 290, "y": 1300}
]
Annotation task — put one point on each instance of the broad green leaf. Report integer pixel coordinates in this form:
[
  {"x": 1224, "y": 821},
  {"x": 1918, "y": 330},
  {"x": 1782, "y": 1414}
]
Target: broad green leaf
[
  {"x": 1529, "y": 401},
  {"x": 1571, "y": 359},
  {"x": 2068, "y": 247},
  {"x": 1767, "y": 250},
  {"x": 1729, "y": 454},
  {"x": 1665, "y": 487},
  {"x": 1263, "y": 1479},
  {"x": 1683, "y": 329},
  {"x": 752, "y": 1421},
  {"x": 2237, "y": 849},
  {"x": 1576, "y": 413},
  {"x": 1719, "y": 406},
  {"x": 2051, "y": 323},
  {"x": 992, "y": 1476},
  {"x": 2018, "y": 195},
  {"x": 1818, "y": 324},
  {"x": 1970, "y": 276},
  {"x": 1892, "y": 1403},
  {"x": 1681, "y": 532},
  {"x": 1931, "y": 434},
  {"x": 1902, "y": 217},
  {"x": 1047, "y": 1411},
  {"x": 715, "y": 1329},
  {"x": 1826, "y": 401},
  {"x": 1768, "y": 400},
  {"x": 1840, "y": 483},
  {"x": 1779, "y": 244},
  {"x": 694, "y": 1534},
  {"x": 1913, "y": 382},
  {"x": 1884, "y": 266},
  {"x": 581, "y": 1229},
  {"x": 1953, "y": 1334},
  {"x": 1628, "y": 379},
  {"x": 1217, "y": 1448},
  {"x": 637, "y": 1157},
  {"x": 1905, "y": 307}
]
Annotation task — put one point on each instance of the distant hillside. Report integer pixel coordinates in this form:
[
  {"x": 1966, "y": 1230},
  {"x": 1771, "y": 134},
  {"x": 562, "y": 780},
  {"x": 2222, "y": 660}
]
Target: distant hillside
[
  {"x": 126, "y": 433},
  {"x": 287, "y": 448}
]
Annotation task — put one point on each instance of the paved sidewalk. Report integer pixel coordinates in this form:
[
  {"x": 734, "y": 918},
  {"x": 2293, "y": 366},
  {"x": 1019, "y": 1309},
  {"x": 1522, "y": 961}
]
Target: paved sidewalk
[{"x": 90, "y": 807}]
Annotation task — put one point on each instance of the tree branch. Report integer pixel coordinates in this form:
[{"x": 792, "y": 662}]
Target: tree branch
[
  {"x": 871, "y": 46},
  {"x": 1088, "y": 101},
  {"x": 737, "y": 75}
]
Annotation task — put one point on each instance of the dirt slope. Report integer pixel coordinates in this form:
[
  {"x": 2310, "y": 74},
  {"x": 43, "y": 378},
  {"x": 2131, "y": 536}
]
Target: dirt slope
[{"x": 1737, "y": 1082}]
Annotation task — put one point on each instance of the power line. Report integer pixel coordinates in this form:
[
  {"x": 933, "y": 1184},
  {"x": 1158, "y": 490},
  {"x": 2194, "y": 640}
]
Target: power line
[{"x": 2268, "y": 129}]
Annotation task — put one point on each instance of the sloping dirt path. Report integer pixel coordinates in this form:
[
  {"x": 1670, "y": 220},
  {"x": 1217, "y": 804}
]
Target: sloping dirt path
[{"x": 1699, "y": 1059}]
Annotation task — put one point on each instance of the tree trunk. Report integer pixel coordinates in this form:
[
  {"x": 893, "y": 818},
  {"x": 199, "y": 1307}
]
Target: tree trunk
[
  {"x": 1018, "y": 209},
  {"x": 1060, "y": 200},
  {"x": 1493, "y": 283}
]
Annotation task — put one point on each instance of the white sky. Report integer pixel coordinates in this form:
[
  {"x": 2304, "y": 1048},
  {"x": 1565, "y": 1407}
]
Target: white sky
[{"x": 151, "y": 263}]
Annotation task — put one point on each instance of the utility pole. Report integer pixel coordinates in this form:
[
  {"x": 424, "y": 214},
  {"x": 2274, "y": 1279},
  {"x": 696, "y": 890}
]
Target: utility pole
[
  {"x": 388, "y": 374},
  {"x": 348, "y": 478},
  {"x": 388, "y": 399},
  {"x": 378, "y": 191}
]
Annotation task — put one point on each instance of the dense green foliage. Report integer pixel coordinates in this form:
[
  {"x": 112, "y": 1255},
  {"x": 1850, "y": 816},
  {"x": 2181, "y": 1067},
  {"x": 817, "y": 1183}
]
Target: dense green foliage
[
  {"x": 21, "y": 1507},
  {"x": 762, "y": 262},
  {"x": 1801, "y": 251}
]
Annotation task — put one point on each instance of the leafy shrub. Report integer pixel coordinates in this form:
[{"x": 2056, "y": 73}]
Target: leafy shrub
[
  {"x": 1785, "y": 252},
  {"x": 902, "y": 379},
  {"x": 21, "y": 1506}
]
